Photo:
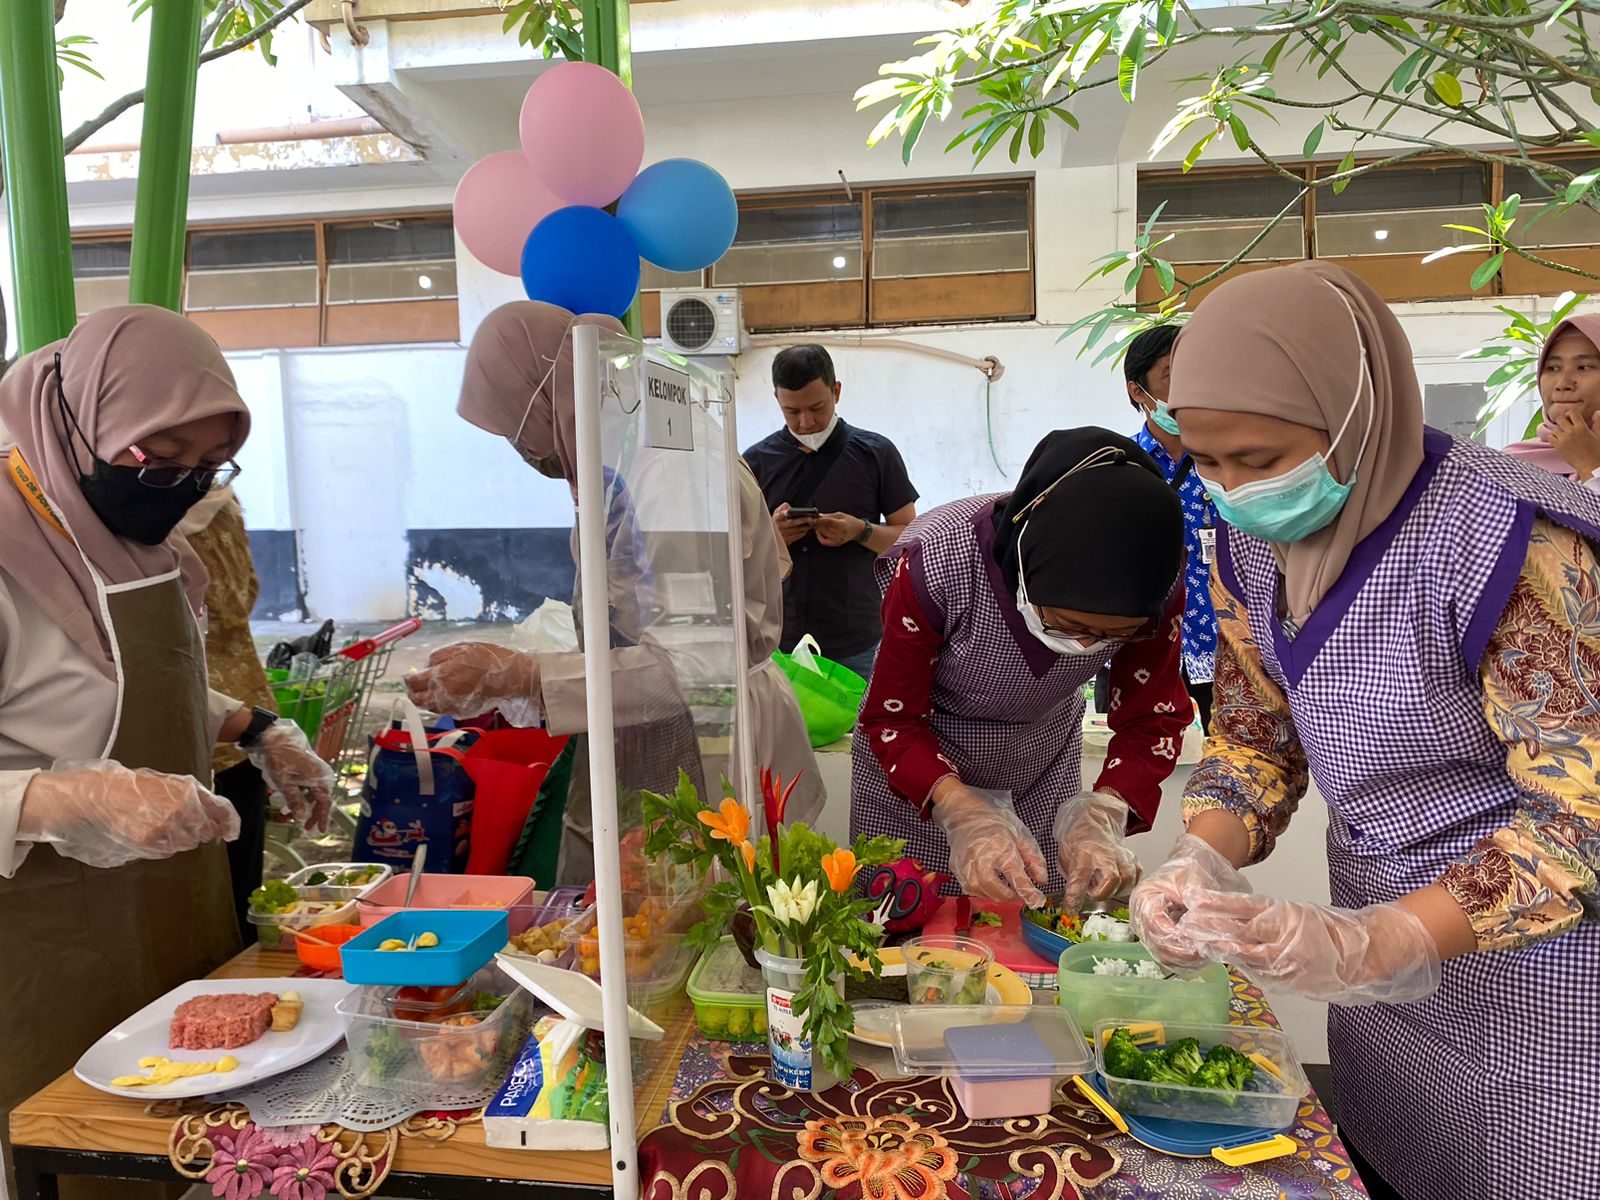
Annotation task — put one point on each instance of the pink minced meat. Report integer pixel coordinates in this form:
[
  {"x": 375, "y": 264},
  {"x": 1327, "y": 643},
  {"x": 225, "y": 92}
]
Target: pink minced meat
[{"x": 223, "y": 1022}]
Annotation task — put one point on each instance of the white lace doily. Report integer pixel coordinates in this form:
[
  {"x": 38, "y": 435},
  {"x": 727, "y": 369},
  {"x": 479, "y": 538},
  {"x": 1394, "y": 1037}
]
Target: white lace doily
[{"x": 326, "y": 1092}]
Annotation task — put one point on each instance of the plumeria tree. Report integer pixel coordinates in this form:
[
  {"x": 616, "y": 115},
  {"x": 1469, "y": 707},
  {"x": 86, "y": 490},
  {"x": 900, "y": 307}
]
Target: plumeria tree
[{"x": 1519, "y": 76}]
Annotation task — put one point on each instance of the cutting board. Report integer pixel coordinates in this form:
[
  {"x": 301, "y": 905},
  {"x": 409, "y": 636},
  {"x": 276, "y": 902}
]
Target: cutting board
[{"x": 1004, "y": 940}]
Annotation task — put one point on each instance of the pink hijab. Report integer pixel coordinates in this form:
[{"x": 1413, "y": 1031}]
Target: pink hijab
[
  {"x": 1538, "y": 451},
  {"x": 127, "y": 373},
  {"x": 518, "y": 381}
]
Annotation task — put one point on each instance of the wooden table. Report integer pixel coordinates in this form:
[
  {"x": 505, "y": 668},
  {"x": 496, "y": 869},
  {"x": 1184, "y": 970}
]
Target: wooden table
[{"x": 70, "y": 1128}]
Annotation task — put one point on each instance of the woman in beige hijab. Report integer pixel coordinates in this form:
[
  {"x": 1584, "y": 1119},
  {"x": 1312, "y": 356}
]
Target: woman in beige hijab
[
  {"x": 518, "y": 385},
  {"x": 113, "y": 879},
  {"x": 1410, "y": 618}
]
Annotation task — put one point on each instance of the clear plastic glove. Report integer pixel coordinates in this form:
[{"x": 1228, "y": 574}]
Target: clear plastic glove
[
  {"x": 103, "y": 814},
  {"x": 1381, "y": 954},
  {"x": 473, "y": 678},
  {"x": 292, "y": 769},
  {"x": 1159, "y": 903},
  {"x": 991, "y": 851},
  {"x": 1091, "y": 832}
]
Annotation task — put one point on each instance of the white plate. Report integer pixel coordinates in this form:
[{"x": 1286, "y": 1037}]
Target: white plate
[{"x": 144, "y": 1035}]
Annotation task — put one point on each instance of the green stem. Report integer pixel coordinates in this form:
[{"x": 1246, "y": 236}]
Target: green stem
[{"x": 161, "y": 204}]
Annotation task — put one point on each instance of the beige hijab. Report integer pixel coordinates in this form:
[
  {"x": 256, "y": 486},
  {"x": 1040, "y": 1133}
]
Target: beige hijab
[
  {"x": 126, "y": 372},
  {"x": 1280, "y": 343},
  {"x": 518, "y": 381}
]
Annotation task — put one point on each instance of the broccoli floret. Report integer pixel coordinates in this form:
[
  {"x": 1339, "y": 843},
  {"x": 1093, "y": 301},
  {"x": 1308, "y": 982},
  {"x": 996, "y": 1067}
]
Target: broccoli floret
[
  {"x": 1216, "y": 1075},
  {"x": 1240, "y": 1069},
  {"x": 1163, "y": 1071},
  {"x": 1123, "y": 1058},
  {"x": 1184, "y": 1056}
]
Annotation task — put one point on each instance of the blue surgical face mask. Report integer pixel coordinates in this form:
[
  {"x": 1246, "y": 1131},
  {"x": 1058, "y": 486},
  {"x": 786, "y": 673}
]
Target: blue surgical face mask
[
  {"x": 1294, "y": 505},
  {"x": 1160, "y": 417}
]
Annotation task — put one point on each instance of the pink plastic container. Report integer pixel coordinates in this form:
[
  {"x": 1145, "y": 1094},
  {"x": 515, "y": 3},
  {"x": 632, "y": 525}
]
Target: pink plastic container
[
  {"x": 1006, "y": 1096},
  {"x": 510, "y": 893}
]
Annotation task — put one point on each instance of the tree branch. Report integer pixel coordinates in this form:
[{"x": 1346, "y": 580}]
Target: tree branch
[
  {"x": 122, "y": 104},
  {"x": 209, "y": 29}
]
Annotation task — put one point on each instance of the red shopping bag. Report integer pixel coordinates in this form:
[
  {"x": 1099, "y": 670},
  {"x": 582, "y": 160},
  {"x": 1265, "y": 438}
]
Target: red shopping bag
[{"x": 507, "y": 767}]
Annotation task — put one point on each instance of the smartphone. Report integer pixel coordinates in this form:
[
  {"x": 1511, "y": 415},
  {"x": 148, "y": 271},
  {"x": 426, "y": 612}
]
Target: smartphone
[{"x": 800, "y": 514}]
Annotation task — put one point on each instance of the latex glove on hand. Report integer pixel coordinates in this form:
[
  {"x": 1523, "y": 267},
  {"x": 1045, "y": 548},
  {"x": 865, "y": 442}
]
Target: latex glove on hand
[
  {"x": 292, "y": 769},
  {"x": 1381, "y": 954},
  {"x": 992, "y": 853},
  {"x": 470, "y": 679},
  {"x": 103, "y": 814},
  {"x": 1092, "y": 845},
  {"x": 1158, "y": 904}
]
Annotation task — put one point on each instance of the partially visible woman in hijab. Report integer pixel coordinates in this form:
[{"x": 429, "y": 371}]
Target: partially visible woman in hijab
[
  {"x": 106, "y": 722},
  {"x": 519, "y": 386},
  {"x": 997, "y": 611},
  {"x": 1401, "y": 612},
  {"x": 1569, "y": 393}
]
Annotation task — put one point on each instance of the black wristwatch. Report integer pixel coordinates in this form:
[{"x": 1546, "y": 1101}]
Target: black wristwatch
[
  {"x": 261, "y": 719},
  {"x": 866, "y": 531}
]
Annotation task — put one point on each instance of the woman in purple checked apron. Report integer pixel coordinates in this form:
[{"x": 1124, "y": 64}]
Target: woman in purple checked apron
[{"x": 1413, "y": 618}]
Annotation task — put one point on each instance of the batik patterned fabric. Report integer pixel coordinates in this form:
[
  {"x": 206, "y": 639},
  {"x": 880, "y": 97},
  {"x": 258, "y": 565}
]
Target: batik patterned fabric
[
  {"x": 1199, "y": 621},
  {"x": 1443, "y": 696}
]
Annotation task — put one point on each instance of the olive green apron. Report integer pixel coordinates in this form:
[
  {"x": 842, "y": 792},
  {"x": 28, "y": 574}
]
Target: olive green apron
[{"x": 81, "y": 949}]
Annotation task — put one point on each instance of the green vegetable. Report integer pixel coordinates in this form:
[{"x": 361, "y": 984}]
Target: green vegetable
[
  {"x": 273, "y": 896},
  {"x": 1163, "y": 1071},
  {"x": 992, "y": 920},
  {"x": 1123, "y": 1057},
  {"x": 1184, "y": 1056},
  {"x": 1222, "y": 1067},
  {"x": 316, "y": 879},
  {"x": 484, "y": 1002},
  {"x": 388, "y": 1052}
]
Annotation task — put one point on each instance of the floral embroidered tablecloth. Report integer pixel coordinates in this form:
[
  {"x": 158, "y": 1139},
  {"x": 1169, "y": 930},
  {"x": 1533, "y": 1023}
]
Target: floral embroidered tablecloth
[{"x": 731, "y": 1133}]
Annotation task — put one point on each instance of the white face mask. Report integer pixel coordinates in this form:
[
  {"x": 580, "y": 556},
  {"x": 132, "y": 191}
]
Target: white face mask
[
  {"x": 815, "y": 441},
  {"x": 1063, "y": 644}
]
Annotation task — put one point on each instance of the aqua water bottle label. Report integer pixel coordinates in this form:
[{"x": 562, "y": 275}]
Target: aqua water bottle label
[{"x": 787, "y": 1041}]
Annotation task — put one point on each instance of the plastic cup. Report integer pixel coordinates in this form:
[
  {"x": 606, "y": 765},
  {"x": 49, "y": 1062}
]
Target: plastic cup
[{"x": 947, "y": 969}]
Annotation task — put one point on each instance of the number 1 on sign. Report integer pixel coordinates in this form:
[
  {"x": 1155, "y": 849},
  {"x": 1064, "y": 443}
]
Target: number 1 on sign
[{"x": 669, "y": 421}]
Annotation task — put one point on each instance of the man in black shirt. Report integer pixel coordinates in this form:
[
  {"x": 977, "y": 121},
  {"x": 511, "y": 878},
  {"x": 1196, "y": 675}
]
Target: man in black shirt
[{"x": 839, "y": 497}]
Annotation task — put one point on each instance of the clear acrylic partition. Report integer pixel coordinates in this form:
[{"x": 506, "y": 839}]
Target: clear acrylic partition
[{"x": 675, "y": 652}]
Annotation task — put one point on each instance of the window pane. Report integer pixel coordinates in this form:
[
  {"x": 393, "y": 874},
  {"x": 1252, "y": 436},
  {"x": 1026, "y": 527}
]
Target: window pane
[
  {"x": 1578, "y": 226},
  {"x": 100, "y": 274},
  {"x": 813, "y": 242},
  {"x": 1397, "y": 189},
  {"x": 1453, "y": 407},
  {"x": 653, "y": 278},
  {"x": 252, "y": 268},
  {"x": 1400, "y": 211},
  {"x": 950, "y": 233},
  {"x": 1212, "y": 218},
  {"x": 393, "y": 259}
]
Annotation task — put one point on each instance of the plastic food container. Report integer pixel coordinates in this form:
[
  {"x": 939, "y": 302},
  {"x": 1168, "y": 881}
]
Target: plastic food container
[
  {"x": 468, "y": 893},
  {"x": 1269, "y": 1103},
  {"x": 730, "y": 997},
  {"x": 1200, "y": 1000},
  {"x": 325, "y": 958},
  {"x": 455, "y": 1052},
  {"x": 300, "y": 880},
  {"x": 324, "y": 912},
  {"x": 947, "y": 969},
  {"x": 468, "y": 939},
  {"x": 1005, "y": 1060}
]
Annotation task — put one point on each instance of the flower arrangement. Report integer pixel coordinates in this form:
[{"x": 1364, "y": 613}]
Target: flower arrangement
[{"x": 795, "y": 883}]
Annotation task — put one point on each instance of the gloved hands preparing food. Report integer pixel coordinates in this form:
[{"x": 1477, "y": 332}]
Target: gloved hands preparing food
[
  {"x": 991, "y": 851},
  {"x": 1091, "y": 832}
]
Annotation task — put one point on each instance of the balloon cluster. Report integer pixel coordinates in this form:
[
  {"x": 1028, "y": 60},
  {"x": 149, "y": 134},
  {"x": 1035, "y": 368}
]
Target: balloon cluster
[{"x": 540, "y": 212}]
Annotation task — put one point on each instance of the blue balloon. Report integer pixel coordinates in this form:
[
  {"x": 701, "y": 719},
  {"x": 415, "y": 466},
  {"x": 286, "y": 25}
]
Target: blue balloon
[
  {"x": 583, "y": 260},
  {"x": 682, "y": 214}
]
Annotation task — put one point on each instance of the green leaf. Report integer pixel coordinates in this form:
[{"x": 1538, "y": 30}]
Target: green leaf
[
  {"x": 1487, "y": 270},
  {"x": 1241, "y": 135},
  {"x": 1128, "y": 77},
  {"x": 1165, "y": 275},
  {"x": 1271, "y": 58},
  {"x": 1314, "y": 138},
  {"x": 1448, "y": 88},
  {"x": 1348, "y": 164},
  {"x": 1196, "y": 150},
  {"x": 908, "y": 141},
  {"x": 1036, "y": 131},
  {"x": 1509, "y": 207},
  {"x": 1559, "y": 12},
  {"x": 1015, "y": 149},
  {"x": 1403, "y": 73},
  {"x": 1579, "y": 186},
  {"x": 1153, "y": 218},
  {"x": 1131, "y": 283},
  {"x": 1447, "y": 251}
]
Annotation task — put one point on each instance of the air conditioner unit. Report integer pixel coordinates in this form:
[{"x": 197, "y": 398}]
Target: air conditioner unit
[{"x": 700, "y": 322}]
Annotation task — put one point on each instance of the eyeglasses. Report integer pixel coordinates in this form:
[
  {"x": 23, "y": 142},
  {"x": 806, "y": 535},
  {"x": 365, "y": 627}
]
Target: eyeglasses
[
  {"x": 1104, "y": 457},
  {"x": 157, "y": 474}
]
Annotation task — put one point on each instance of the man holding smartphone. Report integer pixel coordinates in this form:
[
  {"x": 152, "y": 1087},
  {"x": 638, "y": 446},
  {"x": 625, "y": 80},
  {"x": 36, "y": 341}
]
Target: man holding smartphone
[{"x": 839, "y": 496}]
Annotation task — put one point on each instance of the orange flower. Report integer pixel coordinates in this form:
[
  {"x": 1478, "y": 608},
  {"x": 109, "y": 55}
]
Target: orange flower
[
  {"x": 840, "y": 868},
  {"x": 733, "y": 826},
  {"x": 749, "y": 852},
  {"x": 889, "y": 1157}
]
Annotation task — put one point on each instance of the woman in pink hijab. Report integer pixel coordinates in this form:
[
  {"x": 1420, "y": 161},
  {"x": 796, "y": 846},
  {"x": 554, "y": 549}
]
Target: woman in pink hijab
[
  {"x": 1569, "y": 389},
  {"x": 113, "y": 878}
]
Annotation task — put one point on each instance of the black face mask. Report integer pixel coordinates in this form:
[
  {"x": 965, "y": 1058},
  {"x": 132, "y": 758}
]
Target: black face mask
[{"x": 132, "y": 509}]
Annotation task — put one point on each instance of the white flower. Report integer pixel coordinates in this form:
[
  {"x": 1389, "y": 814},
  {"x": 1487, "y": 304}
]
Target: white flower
[
  {"x": 791, "y": 903},
  {"x": 893, "y": 706}
]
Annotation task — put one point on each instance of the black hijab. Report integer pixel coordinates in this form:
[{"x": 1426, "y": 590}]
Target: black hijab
[{"x": 1107, "y": 540}]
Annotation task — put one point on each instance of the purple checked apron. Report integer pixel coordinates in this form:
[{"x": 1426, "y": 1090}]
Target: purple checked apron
[
  {"x": 1490, "y": 1087},
  {"x": 1007, "y": 710}
]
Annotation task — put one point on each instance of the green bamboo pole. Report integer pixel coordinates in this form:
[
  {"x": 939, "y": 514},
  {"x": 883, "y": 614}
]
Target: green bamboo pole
[
  {"x": 35, "y": 174},
  {"x": 161, "y": 204}
]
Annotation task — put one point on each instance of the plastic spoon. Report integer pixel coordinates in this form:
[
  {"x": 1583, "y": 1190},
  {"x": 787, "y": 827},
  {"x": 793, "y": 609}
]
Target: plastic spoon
[{"x": 416, "y": 873}]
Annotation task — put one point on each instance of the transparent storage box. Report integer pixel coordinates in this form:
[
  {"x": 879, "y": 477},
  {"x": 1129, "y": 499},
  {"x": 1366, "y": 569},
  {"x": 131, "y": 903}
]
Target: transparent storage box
[
  {"x": 729, "y": 995},
  {"x": 1269, "y": 1102},
  {"x": 981, "y": 1041},
  {"x": 333, "y": 887},
  {"x": 1200, "y": 1000},
  {"x": 461, "y": 1051},
  {"x": 549, "y": 932},
  {"x": 320, "y": 912}
]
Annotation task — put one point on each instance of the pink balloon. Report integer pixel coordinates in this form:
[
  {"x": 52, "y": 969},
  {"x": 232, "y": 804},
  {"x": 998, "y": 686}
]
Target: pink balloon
[
  {"x": 498, "y": 202},
  {"x": 583, "y": 133}
]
